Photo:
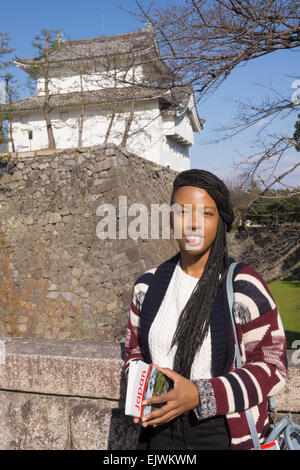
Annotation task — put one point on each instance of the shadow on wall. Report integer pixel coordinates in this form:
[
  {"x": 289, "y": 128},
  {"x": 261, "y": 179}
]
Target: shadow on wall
[
  {"x": 291, "y": 336},
  {"x": 123, "y": 432},
  {"x": 6, "y": 166},
  {"x": 274, "y": 254}
]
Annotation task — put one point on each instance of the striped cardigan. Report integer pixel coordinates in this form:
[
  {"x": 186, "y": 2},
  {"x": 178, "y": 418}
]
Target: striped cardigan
[{"x": 261, "y": 339}]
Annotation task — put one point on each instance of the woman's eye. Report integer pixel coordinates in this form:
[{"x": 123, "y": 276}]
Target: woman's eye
[{"x": 183, "y": 212}]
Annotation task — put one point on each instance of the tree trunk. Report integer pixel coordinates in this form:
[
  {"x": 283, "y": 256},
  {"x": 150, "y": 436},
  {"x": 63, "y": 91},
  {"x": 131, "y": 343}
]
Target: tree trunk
[
  {"x": 128, "y": 125},
  {"x": 11, "y": 136},
  {"x": 2, "y": 138},
  {"x": 9, "y": 94},
  {"x": 81, "y": 119},
  {"x": 51, "y": 140},
  {"x": 109, "y": 127}
]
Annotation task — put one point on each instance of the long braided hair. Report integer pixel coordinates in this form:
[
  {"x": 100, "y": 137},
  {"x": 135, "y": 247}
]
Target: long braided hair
[{"x": 194, "y": 319}]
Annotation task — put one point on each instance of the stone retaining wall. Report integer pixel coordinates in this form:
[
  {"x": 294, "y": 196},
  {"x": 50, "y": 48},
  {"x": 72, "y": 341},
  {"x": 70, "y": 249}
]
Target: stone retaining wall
[
  {"x": 70, "y": 395},
  {"x": 76, "y": 285}
]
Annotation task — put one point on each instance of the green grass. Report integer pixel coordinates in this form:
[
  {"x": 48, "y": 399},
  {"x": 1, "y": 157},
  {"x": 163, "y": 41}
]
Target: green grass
[{"x": 287, "y": 298}]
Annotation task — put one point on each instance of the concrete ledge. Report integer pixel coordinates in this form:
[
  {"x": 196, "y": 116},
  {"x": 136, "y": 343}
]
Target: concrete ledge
[
  {"x": 63, "y": 395},
  {"x": 71, "y": 368},
  {"x": 70, "y": 395},
  {"x": 89, "y": 369},
  {"x": 288, "y": 400}
]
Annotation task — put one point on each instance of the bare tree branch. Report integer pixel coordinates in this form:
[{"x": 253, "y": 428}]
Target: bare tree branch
[{"x": 205, "y": 40}]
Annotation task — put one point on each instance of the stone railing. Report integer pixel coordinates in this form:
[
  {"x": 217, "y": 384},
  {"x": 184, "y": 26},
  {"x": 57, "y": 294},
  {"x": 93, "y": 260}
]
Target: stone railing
[{"x": 70, "y": 395}]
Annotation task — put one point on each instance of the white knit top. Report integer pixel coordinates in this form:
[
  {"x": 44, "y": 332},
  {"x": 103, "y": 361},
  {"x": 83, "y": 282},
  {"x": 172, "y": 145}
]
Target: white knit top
[{"x": 164, "y": 325}]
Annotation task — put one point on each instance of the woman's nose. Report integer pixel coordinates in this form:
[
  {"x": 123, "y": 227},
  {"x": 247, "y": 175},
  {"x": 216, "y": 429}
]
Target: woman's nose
[{"x": 195, "y": 220}]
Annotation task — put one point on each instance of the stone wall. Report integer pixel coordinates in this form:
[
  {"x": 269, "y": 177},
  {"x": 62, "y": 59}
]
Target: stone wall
[
  {"x": 75, "y": 285},
  {"x": 275, "y": 254},
  {"x": 57, "y": 395}
]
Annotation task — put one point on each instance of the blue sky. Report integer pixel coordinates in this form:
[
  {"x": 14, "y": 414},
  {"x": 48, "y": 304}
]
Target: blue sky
[{"x": 90, "y": 18}]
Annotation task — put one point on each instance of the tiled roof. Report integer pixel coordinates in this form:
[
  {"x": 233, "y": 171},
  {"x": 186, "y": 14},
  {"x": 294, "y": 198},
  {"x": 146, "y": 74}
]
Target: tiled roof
[
  {"x": 106, "y": 96},
  {"x": 134, "y": 44}
]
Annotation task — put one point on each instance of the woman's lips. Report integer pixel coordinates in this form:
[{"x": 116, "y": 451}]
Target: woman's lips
[{"x": 194, "y": 239}]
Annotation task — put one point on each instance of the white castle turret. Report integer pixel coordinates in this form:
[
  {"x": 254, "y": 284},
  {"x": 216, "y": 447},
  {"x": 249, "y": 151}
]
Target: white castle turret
[{"x": 102, "y": 85}]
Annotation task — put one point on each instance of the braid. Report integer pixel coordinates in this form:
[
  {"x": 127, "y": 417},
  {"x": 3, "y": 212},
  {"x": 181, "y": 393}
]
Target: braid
[{"x": 194, "y": 319}]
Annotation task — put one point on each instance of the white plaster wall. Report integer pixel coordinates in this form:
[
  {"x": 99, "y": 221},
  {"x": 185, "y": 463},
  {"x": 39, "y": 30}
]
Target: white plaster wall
[
  {"x": 184, "y": 128},
  {"x": 146, "y": 132},
  {"x": 146, "y": 137},
  {"x": 91, "y": 81},
  {"x": 21, "y": 128},
  {"x": 175, "y": 155},
  {"x": 180, "y": 126}
]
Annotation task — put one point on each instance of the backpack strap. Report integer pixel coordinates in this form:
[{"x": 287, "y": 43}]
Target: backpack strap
[{"x": 230, "y": 295}]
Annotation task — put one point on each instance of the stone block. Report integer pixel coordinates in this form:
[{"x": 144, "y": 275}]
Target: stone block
[
  {"x": 104, "y": 164},
  {"x": 90, "y": 422},
  {"x": 33, "y": 422},
  {"x": 62, "y": 367},
  {"x": 5, "y": 179},
  {"x": 80, "y": 159},
  {"x": 17, "y": 176},
  {"x": 288, "y": 398},
  {"x": 25, "y": 155},
  {"x": 106, "y": 186},
  {"x": 70, "y": 162},
  {"x": 110, "y": 151},
  {"x": 52, "y": 295},
  {"x": 46, "y": 152},
  {"x": 54, "y": 218},
  {"x": 42, "y": 166},
  {"x": 28, "y": 220}
]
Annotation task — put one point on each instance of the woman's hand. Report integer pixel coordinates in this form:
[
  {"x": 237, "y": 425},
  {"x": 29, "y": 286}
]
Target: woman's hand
[{"x": 182, "y": 398}]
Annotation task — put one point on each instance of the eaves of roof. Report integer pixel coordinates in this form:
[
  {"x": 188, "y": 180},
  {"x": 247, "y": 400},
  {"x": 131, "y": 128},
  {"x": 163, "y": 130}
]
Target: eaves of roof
[{"x": 107, "y": 96}]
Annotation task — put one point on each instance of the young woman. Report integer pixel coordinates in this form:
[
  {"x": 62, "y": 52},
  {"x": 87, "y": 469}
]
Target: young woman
[{"x": 180, "y": 322}]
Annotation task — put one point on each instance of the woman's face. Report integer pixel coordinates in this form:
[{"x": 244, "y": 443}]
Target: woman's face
[{"x": 194, "y": 220}]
